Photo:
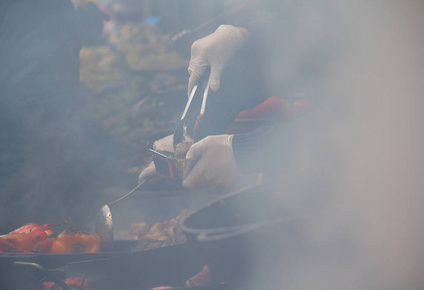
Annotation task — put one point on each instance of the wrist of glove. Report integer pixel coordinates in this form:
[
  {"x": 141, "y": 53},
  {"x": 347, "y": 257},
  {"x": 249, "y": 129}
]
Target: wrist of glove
[
  {"x": 234, "y": 33},
  {"x": 215, "y": 164},
  {"x": 214, "y": 51}
]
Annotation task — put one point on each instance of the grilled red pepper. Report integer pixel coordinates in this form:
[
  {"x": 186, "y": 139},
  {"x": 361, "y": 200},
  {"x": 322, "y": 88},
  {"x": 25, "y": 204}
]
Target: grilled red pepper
[
  {"x": 28, "y": 227},
  {"x": 41, "y": 241},
  {"x": 20, "y": 241},
  {"x": 200, "y": 279},
  {"x": 30, "y": 237},
  {"x": 25, "y": 228},
  {"x": 7, "y": 247},
  {"x": 275, "y": 107},
  {"x": 73, "y": 283}
]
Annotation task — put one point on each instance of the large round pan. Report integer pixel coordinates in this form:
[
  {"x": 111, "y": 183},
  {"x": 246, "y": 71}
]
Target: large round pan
[{"x": 246, "y": 234}]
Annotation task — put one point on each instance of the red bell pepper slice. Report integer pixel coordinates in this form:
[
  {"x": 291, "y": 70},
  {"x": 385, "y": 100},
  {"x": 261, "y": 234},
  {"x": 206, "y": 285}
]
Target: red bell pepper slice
[{"x": 7, "y": 247}]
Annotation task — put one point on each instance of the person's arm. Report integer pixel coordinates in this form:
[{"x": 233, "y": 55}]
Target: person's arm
[{"x": 268, "y": 150}]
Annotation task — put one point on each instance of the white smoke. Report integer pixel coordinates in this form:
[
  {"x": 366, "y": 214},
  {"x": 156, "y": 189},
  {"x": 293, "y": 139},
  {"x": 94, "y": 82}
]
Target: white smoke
[{"x": 366, "y": 145}]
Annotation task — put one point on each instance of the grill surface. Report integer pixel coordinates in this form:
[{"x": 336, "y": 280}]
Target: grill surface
[{"x": 123, "y": 269}]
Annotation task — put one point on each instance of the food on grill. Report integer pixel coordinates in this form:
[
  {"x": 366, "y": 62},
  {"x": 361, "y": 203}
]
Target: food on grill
[
  {"x": 202, "y": 278},
  {"x": 28, "y": 238},
  {"x": 73, "y": 283},
  {"x": 42, "y": 243},
  {"x": 34, "y": 238},
  {"x": 181, "y": 149},
  {"x": 138, "y": 231},
  {"x": 30, "y": 226},
  {"x": 75, "y": 242},
  {"x": 7, "y": 247},
  {"x": 20, "y": 241},
  {"x": 160, "y": 234},
  {"x": 180, "y": 153}
]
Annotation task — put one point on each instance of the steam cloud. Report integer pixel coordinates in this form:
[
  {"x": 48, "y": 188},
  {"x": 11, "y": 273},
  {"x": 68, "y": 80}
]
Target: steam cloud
[{"x": 364, "y": 144}]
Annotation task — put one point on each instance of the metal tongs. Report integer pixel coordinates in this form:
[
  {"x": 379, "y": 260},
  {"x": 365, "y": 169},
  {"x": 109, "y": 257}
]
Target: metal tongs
[
  {"x": 186, "y": 130},
  {"x": 172, "y": 165}
]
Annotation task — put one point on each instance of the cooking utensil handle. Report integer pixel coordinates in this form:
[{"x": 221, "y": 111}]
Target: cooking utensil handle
[
  {"x": 223, "y": 233},
  {"x": 129, "y": 193},
  {"x": 43, "y": 272},
  {"x": 206, "y": 237}
]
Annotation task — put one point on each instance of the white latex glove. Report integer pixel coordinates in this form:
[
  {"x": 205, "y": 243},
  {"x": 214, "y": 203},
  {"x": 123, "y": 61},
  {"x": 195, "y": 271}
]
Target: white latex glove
[
  {"x": 164, "y": 144},
  {"x": 214, "y": 50},
  {"x": 215, "y": 165}
]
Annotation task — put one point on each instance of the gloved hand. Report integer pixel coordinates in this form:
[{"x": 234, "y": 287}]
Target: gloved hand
[
  {"x": 214, "y": 50},
  {"x": 215, "y": 165},
  {"x": 164, "y": 144}
]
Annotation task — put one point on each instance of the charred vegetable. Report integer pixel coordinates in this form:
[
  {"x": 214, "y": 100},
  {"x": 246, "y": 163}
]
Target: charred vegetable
[{"x": 70, "y": 241}]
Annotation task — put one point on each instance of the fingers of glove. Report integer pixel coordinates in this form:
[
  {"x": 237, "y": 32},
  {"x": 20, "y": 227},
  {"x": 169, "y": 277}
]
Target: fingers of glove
[
  {"x": 215, "y": 77},
  {"x": 215, "y": 165},
  {"x": 208, "y": 173},
  {"x": 196, "y": 176},
  {"x": 193, "y": 179},
  {"x": 197, "y": 149},
  {"x": 196, "y": 70},
  {"x": 164, "y": 144},
  {"x": 147, "y": 172}
]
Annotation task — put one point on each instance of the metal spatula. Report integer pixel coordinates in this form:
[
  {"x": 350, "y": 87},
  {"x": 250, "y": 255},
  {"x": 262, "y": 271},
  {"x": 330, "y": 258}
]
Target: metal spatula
[{"x": 104, "y": 223}]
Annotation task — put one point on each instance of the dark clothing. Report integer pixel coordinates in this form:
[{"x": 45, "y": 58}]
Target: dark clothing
[
  {"x": 289, "y": 46},
  {"x": 52, "y": 155}
]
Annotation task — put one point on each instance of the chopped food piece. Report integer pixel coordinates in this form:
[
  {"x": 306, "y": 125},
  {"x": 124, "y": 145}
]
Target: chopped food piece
[
  {"x": 75, "y": 242},
  {"x": 138, "y": 230},
  {"x": 25, "y": 228},
  {"x": 31, "y": 237},
  {"x": 35, "y": 238},
  {"x": 20, "y": 241},
  {"x": 160, "y": 234},
  {"x": 49, "y": 233},
  {"x": 181, "y": 149},
  {"x": 7, "y": 247},
  {"x": 200, "y": 279},
  {"x": 73, "y": 283},
  {"x": 28, "y": 227},
  {"x": 41, "y": 242},
  {"x": 180, "y": 153}
]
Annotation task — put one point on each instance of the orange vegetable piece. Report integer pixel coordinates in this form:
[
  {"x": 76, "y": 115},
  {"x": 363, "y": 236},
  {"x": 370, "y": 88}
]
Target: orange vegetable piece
[
  {"x": 49, "y": 233},
  {"x": 75, "y": 242}
]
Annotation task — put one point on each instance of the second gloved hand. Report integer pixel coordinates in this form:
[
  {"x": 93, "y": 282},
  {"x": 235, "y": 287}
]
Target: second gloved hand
[
  {"x": 164, "y": 144},
  {"x": 214, "y": 51},
  {"x": 215, "y": 165}
]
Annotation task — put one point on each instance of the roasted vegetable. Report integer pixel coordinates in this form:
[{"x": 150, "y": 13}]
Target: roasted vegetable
[
  {"x": 31, "y": 237},
  {"x": 73, "y": 284},
  {"x": 202, "y": 278},
  {"x": 25, "y": 228},
  {"x": 75, "y": 242},
  {"x": 7, "y": 247},
  {"x": 28, "y": 227},
  {"x": 20, "y": 241},
  {"x": 41, "y": 242}
]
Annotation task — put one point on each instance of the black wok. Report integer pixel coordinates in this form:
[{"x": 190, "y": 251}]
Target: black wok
[{"x": 247, "y": 234}]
